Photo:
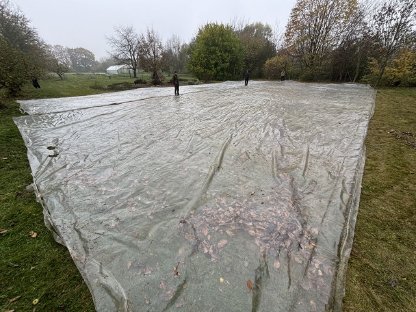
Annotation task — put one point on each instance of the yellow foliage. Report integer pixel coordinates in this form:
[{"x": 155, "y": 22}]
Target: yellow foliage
[{"x": 400, "y": 71}]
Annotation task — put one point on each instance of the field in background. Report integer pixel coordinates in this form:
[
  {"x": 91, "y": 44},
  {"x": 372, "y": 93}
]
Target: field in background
[
  {"x": 382, "y": 268},
  {"x": 89, "y": 83}
]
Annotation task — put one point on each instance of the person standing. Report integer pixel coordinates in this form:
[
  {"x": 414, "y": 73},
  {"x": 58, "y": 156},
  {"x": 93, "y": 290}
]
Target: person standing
[
  {"x": 246, "y": 76},
  {"x": 35, "y": 83},
  {"x": 175, "y": 81},
  {"x": 283, "y": 75}
]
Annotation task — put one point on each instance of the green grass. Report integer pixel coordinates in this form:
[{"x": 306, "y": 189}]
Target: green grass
[
  {"x": 87, "y": 84},
  {"x": 382, "y": 267},
  {"x": 33, "y": 268},
  {"x": 78, "y": 84}
]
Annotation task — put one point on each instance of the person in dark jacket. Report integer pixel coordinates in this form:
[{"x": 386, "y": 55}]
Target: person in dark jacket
[
  {"x": 35, "y": 83},
  {"x": 175, "y": 81},
  {"x": 283, "y": 75},
  {"x": 246, "y": 76}
]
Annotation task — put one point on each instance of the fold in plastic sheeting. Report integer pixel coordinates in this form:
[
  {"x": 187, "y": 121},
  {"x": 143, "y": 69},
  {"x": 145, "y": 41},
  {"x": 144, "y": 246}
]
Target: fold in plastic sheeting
[{"x": 226, "y": 198}]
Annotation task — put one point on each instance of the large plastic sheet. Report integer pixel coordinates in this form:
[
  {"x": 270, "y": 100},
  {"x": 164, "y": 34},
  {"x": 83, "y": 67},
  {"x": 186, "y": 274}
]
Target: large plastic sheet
[{"x": 226, "y": 198}]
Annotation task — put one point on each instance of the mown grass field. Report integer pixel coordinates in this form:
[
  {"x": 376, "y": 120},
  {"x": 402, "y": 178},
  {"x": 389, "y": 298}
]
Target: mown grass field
[{"x": 382, "y": 267}]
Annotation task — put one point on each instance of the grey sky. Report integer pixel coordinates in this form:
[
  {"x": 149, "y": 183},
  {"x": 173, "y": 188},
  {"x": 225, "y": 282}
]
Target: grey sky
[{"x": 86, "y": 23}]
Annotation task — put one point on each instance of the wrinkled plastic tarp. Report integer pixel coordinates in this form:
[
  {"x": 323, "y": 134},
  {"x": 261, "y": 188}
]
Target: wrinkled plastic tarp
[{"x": 226, "y": 198}]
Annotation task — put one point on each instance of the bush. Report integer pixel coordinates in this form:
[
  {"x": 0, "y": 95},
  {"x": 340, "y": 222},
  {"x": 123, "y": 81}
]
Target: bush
[
  {"x": 140, "y": 81},
  {"x": 216, "y": 53},
  {"x": 401, "y": 71},
  {"x": 13, "y": 69}
]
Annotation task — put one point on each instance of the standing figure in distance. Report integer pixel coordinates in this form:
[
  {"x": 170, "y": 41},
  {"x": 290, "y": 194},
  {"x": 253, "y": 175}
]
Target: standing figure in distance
[
  {"x": 246, "y": 76},
  {"x": 175, "y": 81},
  {"x": 35, "y": 83},
  {"x": 283, "y": 75}
]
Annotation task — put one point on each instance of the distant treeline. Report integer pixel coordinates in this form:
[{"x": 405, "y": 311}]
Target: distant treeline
[{"x": 324, "y": 40}]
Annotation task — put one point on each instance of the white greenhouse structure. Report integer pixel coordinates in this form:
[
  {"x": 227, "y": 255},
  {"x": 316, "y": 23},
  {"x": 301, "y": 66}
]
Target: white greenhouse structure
[{"x": 119, "y": 70}]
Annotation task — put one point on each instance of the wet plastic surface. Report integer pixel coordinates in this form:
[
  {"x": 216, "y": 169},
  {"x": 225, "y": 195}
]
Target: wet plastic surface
[{"x": 226, "y": 198}]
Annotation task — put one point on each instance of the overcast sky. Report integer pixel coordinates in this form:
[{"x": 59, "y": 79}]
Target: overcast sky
[{"x": 86, "y": 23}]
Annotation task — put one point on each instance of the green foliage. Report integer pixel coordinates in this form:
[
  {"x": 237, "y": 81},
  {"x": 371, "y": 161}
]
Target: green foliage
[
  {"x": 13, "y": 69},
  {"x": 275, "y": 65},
  {"x": 258, "y": 46},
  {"x": 401, "y": 71},
  {"x": 82, "y": 60},
  {"x": 23, "y": 55},
  {"x": 216, "y": 53},
  {"x": 393, "y": 29}
]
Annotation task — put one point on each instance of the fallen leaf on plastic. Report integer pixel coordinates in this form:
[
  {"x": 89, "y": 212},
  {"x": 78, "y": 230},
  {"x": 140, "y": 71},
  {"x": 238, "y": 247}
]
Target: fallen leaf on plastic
[
  {"x": 175, "y": 270},
  {"x": 35, "y": 301},
  {"x": 221, "y": 280},
  {"x": 276, "y": 264},
  {"x": 15, "y": 299},
  {"x": 250, "y": 285},
  {"x": 3, "y": 231},
  {"x": 33, "y": 234},
  {"x": 222, "y": 243}
]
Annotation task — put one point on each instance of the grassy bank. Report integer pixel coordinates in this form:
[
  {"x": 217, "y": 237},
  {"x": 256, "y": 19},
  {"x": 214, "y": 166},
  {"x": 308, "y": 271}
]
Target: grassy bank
[
  {"x": 382, "y": 267},
  {"x": 30, "y": 267},
  {"x": 86, "y": 84}
]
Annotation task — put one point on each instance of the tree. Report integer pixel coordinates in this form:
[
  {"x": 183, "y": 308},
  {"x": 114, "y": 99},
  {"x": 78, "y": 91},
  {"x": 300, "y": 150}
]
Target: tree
[
  {"x": 59, "y": 60},
  {"x": 275, "y": 65},
  {"x": 350, "y": 58},
  {"x": 82, "y": 60},
  {"x": 392, "y": 27},
  {"x": 216, "y": 53},
  {"x": 257, "y": 41},
  {"x": 125, "y": 45},
  {"x": 23, "y": 54},
  {"x": 151, "y": 50},
  {"x": 175, "y": 55},
  {"x": 315, "y": 28},
  {"x": 400, "y": 71},
  {"x": 103, "y": 64},
  {"x": 13, "y": 68}
]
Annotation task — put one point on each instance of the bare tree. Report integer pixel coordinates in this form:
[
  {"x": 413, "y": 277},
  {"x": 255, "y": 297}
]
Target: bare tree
[
  {"x": 349, "y": 57},
  {"x": 314, "y": 29},
  {"x": 151, "y": 52},
  {"x": 125, "y": 47},
  {"x": 392, "y": 27},
  {"x": 175, "y": 55}
]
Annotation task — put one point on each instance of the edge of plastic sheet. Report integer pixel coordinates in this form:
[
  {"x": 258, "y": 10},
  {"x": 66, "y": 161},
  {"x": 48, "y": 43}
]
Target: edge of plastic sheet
[
  {"x": 119, "y": 298},
  {"x": 347, "y": 236}
]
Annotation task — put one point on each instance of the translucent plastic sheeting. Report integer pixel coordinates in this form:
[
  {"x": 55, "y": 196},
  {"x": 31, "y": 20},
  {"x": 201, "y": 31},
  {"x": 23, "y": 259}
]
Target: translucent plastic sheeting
[
  {"x": 56, "y": 105},
  {"x": 226, "y": 198}
]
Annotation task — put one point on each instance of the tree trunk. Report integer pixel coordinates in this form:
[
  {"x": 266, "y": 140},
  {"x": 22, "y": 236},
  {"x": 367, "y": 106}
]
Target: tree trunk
[
  {"x": 357, "y": 68},
  {"x": 135, "y": 72},
  {"x": 382, "y": 69}
]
